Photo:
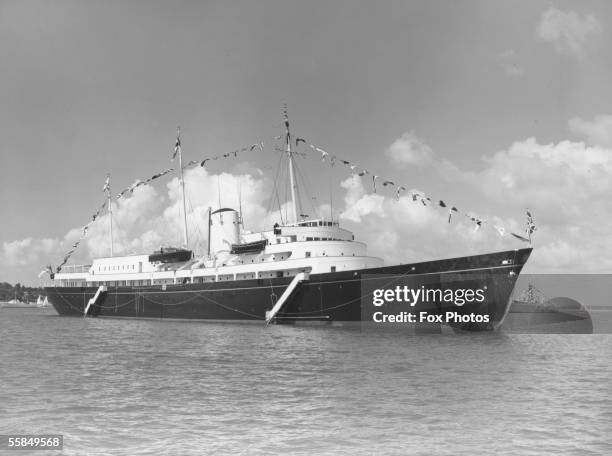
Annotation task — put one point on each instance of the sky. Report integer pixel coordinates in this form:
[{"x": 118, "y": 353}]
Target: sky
[{"x": 492, "y": 106}]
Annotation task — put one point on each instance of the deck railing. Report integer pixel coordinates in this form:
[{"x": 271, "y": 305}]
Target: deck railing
[{"x": 75, "y": 268}]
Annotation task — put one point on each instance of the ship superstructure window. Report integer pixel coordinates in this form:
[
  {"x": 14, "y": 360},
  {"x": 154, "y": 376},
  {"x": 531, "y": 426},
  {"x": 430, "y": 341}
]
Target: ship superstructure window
[
  {"x": 307, "y": 254},
  {"x": 333, "y": 269}
]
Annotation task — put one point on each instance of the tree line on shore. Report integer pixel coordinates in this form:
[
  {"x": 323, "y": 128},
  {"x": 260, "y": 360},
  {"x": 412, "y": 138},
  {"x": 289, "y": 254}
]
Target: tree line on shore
[{"x": 20, "y": 292}]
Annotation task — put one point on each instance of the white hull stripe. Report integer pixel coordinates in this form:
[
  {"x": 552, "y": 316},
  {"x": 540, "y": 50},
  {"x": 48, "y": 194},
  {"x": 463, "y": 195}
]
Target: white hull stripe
[{"x": 144, "y": 291}]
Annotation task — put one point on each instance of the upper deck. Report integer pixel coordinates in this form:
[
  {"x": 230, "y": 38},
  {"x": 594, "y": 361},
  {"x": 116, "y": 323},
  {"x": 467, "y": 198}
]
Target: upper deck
[{"x": 315, "y": 246}]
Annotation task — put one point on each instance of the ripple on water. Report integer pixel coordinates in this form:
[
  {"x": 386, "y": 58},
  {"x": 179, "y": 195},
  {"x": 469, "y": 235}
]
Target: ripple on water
[{"x": 143, "y": 387}]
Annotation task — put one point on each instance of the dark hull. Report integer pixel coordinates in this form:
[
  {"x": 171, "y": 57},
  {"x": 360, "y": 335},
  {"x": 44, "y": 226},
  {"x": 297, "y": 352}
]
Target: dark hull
[{"x": 329, "y": 297}]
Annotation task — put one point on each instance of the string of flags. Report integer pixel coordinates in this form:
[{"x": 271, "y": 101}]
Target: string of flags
[
  {"x": 83, "y": 232},
  {"x": 190, "y": 164},
  {"x": 417, "y": 196},
  {"x": 141, "y": 182}
]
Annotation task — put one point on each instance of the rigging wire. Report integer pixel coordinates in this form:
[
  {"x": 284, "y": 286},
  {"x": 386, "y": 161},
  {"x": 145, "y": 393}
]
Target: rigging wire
[
  {"x": 195, "y": 227},
  {"x": 286, "y": 197},
  {"x": 308, "y": 190},
  {"x": 275, "y": 191},
  {"x": 118, "y": 230}
]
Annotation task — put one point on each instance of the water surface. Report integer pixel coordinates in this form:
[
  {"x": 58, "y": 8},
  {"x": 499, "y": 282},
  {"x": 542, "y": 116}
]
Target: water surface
[{"x": 133, "y": 387}]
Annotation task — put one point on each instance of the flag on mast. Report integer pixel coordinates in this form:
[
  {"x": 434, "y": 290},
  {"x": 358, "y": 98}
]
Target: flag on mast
[
  {"x": 106, "y": 187},
  {"x": 531, "y": 227},
  {"x": 177, "y": 146}
]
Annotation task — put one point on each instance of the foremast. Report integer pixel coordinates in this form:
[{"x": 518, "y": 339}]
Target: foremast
[
  {"x": 109, "y": 196},
  {"x": 178, "y": 150},
  {"x": 291, "y": 170}
]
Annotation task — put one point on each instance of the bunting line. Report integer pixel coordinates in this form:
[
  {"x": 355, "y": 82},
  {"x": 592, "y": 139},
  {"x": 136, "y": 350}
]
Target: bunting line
[
  {"x": 418, "y": 196},
  {"x": 139, "y": 182}
]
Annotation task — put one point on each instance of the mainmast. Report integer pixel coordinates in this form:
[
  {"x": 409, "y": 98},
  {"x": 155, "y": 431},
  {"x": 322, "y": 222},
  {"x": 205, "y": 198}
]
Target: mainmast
[
  {"x": 291, "y": 177},
  {"x": 177, "y": 149},
  {"x": 107, "y": 189}
]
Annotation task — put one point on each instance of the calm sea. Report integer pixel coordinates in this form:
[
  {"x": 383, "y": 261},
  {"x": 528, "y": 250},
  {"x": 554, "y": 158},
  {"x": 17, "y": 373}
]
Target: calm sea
[{"x": 148, "y": 387}]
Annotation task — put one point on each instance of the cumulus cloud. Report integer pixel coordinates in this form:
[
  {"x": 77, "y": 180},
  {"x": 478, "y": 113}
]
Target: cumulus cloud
[
  {"x": 563, "y": 179},
  {"x": 566, "y": 185},
  {"x": 597, "y": 131},
  {"x": 151, "y": 217},
  {"x": 567, "y": 30},
  {"x": 28, "y": 251},
  {"x": 404, "y": 231},
  {"x": 358, "y": 203},
  {"x": 409, "y": 149},
  {"x": 147, "y": 219},
  {"x": 510, "y": 63}
]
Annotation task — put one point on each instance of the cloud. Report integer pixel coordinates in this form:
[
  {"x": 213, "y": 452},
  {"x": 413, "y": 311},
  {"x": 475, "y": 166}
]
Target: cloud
[
  {"x": 147, "y": 219},
  {"x": 598, "y": 131},
  {"x": 566, "y": 185},
  {"x": 358, "y": 203},
  {"x": 151, "y": 217},
  {"x": 510, "y": 63},
  {"x": 409, "y": 149},
  {"x": 28, "y": 251},
  {"x": 567, "y": 31},
  {"x": 560, "y": 178},
  {"x": 401, "y": 231}
]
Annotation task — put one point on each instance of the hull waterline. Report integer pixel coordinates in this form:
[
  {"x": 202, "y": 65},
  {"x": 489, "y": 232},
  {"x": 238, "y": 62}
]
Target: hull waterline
[{"x": 328, "y": 297}]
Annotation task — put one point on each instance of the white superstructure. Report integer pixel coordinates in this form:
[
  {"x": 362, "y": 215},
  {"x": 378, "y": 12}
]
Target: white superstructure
[
  {"x": 314, "y": 246},
  {"x": 309, "y": 246}
]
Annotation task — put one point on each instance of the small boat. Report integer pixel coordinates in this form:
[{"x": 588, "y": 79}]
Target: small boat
[
  {"x": 533, "y": 312},
  {"x": 16, "y": 303},
  {"x": 42, "y": 302}
]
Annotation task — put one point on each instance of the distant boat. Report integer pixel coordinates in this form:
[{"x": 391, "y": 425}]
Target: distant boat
[
  {"x": 40, "y": 302},
  {"x": 15, "y": 302},
  {"x": 533, "y": 312}
]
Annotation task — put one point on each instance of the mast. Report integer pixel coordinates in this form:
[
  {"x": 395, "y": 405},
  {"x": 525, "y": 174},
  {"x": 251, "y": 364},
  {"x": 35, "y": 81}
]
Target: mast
[
  {"x": 240, "y": 219},
  {"x": 209, "y": 224},
  {"x": 291, "y": 178},
  {"x": 180, "y": 154},
  {"x": 107, "y": 189}
]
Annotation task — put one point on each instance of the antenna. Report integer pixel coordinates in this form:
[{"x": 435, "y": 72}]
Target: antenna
[{"x": 219, "y": 189}]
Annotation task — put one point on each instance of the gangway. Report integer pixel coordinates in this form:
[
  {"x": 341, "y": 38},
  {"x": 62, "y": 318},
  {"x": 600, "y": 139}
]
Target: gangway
[
  {"x": 94, "y": 300},
  {"x": 299, "y": 278}
]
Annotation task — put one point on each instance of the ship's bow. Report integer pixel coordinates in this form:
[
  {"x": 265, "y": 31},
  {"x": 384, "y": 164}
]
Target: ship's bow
[{"x": 498, "y": 280}]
